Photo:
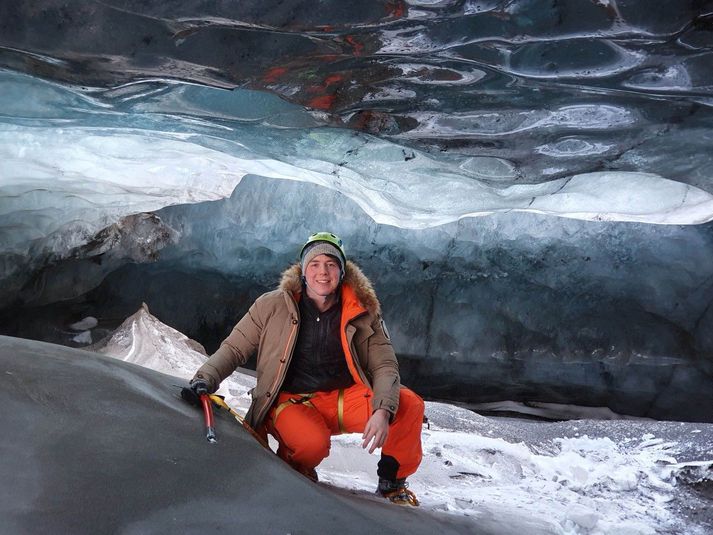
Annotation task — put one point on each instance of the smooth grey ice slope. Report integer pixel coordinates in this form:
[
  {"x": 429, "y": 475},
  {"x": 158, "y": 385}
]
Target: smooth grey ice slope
[{"x": 93, "y": 445}]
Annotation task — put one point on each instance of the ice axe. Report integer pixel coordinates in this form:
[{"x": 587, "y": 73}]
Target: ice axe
[
  {"x": 208, "y": 413},
  {"x": 197, "y": 395}
]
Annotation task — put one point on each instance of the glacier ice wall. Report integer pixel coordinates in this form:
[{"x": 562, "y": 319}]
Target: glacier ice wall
[
  {"x": 515, "y": 306},
  {"x": 75, "y": 161},
  {"x": 439, "y": 137}
]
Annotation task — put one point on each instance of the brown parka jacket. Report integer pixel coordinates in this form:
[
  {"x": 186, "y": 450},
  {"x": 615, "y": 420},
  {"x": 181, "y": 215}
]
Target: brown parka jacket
[{"x": 270, "y": 328}]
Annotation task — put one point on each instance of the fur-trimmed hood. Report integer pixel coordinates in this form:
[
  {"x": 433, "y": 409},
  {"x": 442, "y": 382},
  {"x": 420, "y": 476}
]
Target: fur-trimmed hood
[{"x": 353, "y": 277}]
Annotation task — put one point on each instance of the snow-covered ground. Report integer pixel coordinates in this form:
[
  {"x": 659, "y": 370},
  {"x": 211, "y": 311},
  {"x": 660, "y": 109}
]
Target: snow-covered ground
[{"x": 509, "y": 475}]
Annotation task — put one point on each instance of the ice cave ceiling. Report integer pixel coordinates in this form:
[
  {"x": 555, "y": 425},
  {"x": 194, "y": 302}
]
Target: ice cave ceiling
[{"x": 147, "y": 147}]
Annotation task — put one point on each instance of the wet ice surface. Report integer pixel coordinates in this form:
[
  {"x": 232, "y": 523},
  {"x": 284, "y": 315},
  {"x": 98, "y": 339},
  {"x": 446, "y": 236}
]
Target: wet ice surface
[
  {"x": 508, "y": 475},
  {"x": 396, "y": 69}
]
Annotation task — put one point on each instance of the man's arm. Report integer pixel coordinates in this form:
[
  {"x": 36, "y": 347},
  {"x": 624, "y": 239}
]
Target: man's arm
[
  {"x": 384, "y": 370},
  {"x": 377, "y": 429},
  {"x": 235, "y": 350}
]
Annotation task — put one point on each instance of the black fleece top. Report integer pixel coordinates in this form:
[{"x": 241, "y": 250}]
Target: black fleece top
[{"x": 318, "y": 363}]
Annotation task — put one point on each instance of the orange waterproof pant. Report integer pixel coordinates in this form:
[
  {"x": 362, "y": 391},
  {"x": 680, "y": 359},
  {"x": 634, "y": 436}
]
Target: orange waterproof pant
[{"x": 303, "y": 430}]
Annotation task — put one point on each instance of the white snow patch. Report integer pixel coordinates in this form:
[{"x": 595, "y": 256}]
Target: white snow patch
[
  {"x": 589, "y": 485},
  {"x": 85, "y": 337}
]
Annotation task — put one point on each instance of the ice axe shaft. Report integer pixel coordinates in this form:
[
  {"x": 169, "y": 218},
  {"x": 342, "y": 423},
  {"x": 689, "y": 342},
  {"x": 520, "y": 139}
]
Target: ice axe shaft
[{"x": 208, "y": 413}]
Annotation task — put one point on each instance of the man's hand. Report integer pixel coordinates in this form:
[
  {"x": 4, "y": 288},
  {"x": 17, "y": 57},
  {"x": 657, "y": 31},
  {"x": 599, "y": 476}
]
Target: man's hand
[
  {"x": 192, "y": 394},
  {"x": 376, "y": 430},
  {"x": 199, "y": 387}
]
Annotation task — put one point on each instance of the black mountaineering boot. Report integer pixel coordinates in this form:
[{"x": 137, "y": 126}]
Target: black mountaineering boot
[{"x": 396, "y": 491}]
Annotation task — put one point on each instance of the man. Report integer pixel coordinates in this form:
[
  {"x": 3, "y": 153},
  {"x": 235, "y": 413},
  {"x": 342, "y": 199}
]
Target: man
[{"x": 325, "y": 366}]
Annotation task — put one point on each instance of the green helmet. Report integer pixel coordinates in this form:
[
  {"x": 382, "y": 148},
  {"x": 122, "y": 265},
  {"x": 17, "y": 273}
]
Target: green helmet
[{"x": 329, "y": 238}]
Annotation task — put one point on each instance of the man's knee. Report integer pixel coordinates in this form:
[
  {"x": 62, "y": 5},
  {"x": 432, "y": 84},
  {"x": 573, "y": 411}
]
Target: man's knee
[
  {"x": 309, "y": 450},
  {"x": 303, "y": 435},
  {"x": 411, "y": 406}
]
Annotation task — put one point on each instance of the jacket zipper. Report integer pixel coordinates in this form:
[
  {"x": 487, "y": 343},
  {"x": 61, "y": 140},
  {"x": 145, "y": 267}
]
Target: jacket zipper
[
  {"x": 355, "y": 362},
  {"x": 283, "y": 360}
]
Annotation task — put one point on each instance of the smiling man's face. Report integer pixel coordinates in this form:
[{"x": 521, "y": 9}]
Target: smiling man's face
[{"x": 322, "y": 276}]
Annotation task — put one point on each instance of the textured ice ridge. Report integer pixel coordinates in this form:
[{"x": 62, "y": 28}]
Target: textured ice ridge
[{"x": 74, "y": 181}]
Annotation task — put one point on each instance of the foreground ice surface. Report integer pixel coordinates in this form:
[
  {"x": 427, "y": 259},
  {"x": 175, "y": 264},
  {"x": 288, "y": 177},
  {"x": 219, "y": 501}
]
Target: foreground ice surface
[
  {"x": 94, "y": 445},
  {"x": 509, "y": 476}
]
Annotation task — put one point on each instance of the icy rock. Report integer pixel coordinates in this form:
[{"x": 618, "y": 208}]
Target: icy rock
[
  {"x": 87, "y": 323},
  {"x": 137, "y": 237},
  {"x": 54, "y": 273},
  {"x": 144, "y": 340},
  {"x": 84, "y": 338},
  {"x": 583, "y": 516},
  {"x": 695, "y": 472}
]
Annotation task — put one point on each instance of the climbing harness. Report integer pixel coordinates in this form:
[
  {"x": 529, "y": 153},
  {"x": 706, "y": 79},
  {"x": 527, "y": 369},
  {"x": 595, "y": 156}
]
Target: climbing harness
[{"x": 304, "y": 399}]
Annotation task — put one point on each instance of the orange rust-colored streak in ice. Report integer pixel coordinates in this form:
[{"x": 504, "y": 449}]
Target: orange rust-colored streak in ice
[
  {"x": 395, "y": 9},
  {"x": 322, "y": 103},
  {"x": 356, "y": 45},
  {"x": 332, "y": 79},
  {"x": 273, "y": 74},
  {"x": 314, "y": 89}
]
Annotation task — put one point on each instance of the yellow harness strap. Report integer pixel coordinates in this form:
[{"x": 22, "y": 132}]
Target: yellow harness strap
[
  {"x": 304, "y": 399},
  {"x": 340, "y": 411},
  {"x": 218, "y": 400}
]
